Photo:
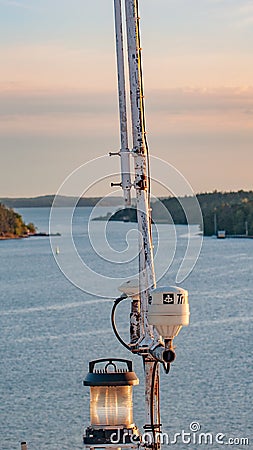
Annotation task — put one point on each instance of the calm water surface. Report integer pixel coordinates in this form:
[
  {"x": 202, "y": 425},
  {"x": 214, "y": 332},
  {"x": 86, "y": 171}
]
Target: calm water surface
[{"x": 50, "y": 330}]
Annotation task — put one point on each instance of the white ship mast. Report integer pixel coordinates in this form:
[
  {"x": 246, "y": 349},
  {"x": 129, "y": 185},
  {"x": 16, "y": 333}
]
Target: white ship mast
[
  {"x": 145, "y": 339},
  {"x": 142, "y": 187}
]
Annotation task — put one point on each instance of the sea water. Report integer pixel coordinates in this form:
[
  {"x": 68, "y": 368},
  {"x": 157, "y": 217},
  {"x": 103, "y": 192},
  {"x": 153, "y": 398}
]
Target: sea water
[{"x": 50, "y": 329}]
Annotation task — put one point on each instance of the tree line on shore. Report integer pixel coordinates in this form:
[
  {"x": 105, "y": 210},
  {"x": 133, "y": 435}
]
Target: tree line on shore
[
  {"x": 12, "y": 224},
  {"x": 229, "y": 211}
]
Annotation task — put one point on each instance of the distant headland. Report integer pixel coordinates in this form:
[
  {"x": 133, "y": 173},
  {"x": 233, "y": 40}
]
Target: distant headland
[
  {"x": 229, "y": 211},
  {"x": 12, "y": 225},
  {"x": 46, "y": 201}
]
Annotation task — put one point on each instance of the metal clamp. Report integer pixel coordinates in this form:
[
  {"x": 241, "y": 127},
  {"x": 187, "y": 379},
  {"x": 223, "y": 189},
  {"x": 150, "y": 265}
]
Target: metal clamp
[{"x": 116, "y": 184}]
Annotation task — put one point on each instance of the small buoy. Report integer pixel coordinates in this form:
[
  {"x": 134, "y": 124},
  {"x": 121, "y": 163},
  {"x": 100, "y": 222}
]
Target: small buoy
[{"x": 57, "y": 250}]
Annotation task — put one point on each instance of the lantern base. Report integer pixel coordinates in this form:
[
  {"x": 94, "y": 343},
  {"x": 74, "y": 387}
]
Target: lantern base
[{"x": 111, "y": 437}]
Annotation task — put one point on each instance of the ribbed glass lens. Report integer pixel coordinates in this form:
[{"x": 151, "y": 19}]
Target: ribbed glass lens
[{"x": 111, "y": 405}]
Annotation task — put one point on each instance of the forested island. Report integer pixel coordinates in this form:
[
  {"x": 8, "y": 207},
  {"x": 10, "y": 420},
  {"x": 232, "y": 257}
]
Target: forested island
[
  {"x": 229, "y": 211},
  {"x": 12, "y": 225}
]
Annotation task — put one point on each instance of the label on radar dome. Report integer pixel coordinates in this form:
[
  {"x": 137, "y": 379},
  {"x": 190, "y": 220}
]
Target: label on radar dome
[
  {"x": 171, "y": 299},
  {"x": 168, "y": 299}
]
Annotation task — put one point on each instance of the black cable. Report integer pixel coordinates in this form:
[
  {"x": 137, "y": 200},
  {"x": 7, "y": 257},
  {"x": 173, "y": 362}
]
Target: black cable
[
  {"x": 117, "y": 301},
  {"x": 152, "y": 401},
  {"x": 159, "y": 406},
  {"x": 143, "y": 115}
]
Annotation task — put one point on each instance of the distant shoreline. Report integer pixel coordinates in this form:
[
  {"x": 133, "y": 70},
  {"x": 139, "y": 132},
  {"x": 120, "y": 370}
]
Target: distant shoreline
[
  {"x": 46, "y": 201},
  {"x": 8, "y": 238},
  {"x": 26, "y": 236},
  {"x": 229, "y": 211}
]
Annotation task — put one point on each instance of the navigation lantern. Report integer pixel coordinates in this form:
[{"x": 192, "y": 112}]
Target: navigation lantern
[
  {"x": 168, "y": 310},
  {"x": 111, "y": 405}
]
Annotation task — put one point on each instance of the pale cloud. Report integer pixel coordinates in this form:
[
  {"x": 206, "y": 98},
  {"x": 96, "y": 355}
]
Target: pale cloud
[
  {"x": 56, "y": 65},
  {"x": 55, "y": 125},
  {"x": 241, "y": 12},
  {"x": 56, "y": 101},
  {"x": 212, "y": 70},
  {"x": 201, "y": 99},
  {"x": 14, "y": 3},
  {"x": 245, "y": 8},
  {"x": 83, "y": 113}
]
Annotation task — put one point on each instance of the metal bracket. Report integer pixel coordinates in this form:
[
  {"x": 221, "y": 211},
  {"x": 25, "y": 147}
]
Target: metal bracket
[
  {"x": 114, "y": 153},
  {"x": 116, "y": 184}
]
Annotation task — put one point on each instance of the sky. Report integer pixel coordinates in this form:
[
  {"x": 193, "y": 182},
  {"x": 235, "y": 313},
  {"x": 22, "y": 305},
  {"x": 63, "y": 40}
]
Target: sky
[{"x": 58, "y": 90}]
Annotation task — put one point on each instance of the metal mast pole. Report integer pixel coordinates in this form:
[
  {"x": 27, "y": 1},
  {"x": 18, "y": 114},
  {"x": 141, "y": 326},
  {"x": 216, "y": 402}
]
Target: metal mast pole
[
  {"x": 142, "y": 186},
  {"x": 145, "y": 338},
  {"x": 140, "y": 153},
  {"x": 124, "y": 151}
]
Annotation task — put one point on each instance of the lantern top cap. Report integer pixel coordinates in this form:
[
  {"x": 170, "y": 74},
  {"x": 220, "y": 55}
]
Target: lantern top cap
[{"x": 111, "y": 375}]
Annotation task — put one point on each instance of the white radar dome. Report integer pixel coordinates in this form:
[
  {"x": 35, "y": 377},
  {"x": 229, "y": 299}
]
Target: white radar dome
[{"x": 168, "y": 310}]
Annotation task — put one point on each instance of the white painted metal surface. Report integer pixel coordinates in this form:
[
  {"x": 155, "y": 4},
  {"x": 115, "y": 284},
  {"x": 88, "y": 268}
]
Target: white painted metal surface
[
  {"x": 124, "y": 150},
  {"x": 169, "y": 310},
  {"x": 141, "y": 185},
  {"x": 146, "y": 320}
]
